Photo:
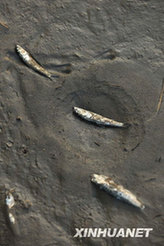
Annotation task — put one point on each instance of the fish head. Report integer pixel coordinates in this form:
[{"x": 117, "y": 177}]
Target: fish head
[
  {"x": 77, "y": 110},
  {"x": 10, "y": 200},
  {"x": 18, "y": 47},
  {"x": 23, "y": 53},
  {"x": 98, "y": 179}
]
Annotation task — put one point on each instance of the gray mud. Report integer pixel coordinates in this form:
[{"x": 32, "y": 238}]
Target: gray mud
[{"x": 115, "y": 49}]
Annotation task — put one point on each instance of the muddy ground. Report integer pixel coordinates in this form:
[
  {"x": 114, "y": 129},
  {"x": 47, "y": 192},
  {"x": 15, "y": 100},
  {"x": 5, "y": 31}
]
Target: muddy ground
[{"x": 47, "y": 154}]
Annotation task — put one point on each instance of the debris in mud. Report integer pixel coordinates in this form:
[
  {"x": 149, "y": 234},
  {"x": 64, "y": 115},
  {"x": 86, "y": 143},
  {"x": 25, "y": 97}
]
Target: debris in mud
[
  {"x": 97, "y": 144},
  {"x": 108, "y": 54},
  {"x": 18, "y": 118},
  {"x": 160, "y": 97},
  {"x": 4, "y": 24},
  {"x": 24, "y": 149},
  {"x": 9, "y": 145}
]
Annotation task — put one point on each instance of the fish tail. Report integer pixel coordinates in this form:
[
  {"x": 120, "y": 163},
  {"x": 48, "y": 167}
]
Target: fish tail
[
  {"x": 142, "y": 206},
  {"x": 126, "y": 125},
  {"x": 53, "y": 76}
]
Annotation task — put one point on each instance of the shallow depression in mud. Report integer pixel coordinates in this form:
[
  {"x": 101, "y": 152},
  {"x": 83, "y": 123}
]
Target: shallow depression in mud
[{"x": 109, "y": 100}]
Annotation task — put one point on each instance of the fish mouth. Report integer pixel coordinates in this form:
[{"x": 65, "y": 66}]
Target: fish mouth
[
  {"x": 76, "y": 109},
  {"x": 17, "y": 46},
  {"x": 93, "y": 177}
]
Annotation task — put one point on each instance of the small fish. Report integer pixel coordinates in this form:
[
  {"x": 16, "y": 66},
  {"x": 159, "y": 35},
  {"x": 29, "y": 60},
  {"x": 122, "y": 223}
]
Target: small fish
[
  {"x": 116, "y": 190},
  {"x": 13, "y": 225},
  {"x": 31, "y": 62},
  {"x": 10, "y": 202},
  {"x": 98, "y": 119}
]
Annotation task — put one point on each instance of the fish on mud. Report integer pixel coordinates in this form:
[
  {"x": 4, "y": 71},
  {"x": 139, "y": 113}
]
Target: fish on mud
[
  {"x": 31, "y": 62},
  {"x": 10, "y": 202},
  {"x": 97, "y": 118},
  {"x": 116, "y": 190}
]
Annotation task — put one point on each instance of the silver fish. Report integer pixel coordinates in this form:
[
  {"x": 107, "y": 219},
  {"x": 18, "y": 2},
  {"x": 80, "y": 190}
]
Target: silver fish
[
  {"x": 10, "y": 202},
  {"x": 97, "y": 118},
  {"x": 31, "y": 62},
  {"x": 116, "y": 190},
  {"x": 13, "y": 225}
]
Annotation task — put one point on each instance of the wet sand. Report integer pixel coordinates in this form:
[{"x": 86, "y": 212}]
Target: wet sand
[{"x": 115, "y": 49}]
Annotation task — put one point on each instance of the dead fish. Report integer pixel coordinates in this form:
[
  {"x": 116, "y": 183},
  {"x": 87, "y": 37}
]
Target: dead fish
[
  {"x": 116, "y": 190},
  {"x": 97, "y": 118},
  {"x": 31, "y": 62},
  {"x": 10, "y": 202},
  {"x": 13, "y": 225}
]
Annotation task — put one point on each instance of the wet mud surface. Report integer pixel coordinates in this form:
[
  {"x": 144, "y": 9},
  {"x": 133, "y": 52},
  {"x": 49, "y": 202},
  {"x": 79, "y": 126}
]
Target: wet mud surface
[{"x": 47, "y": 155}]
